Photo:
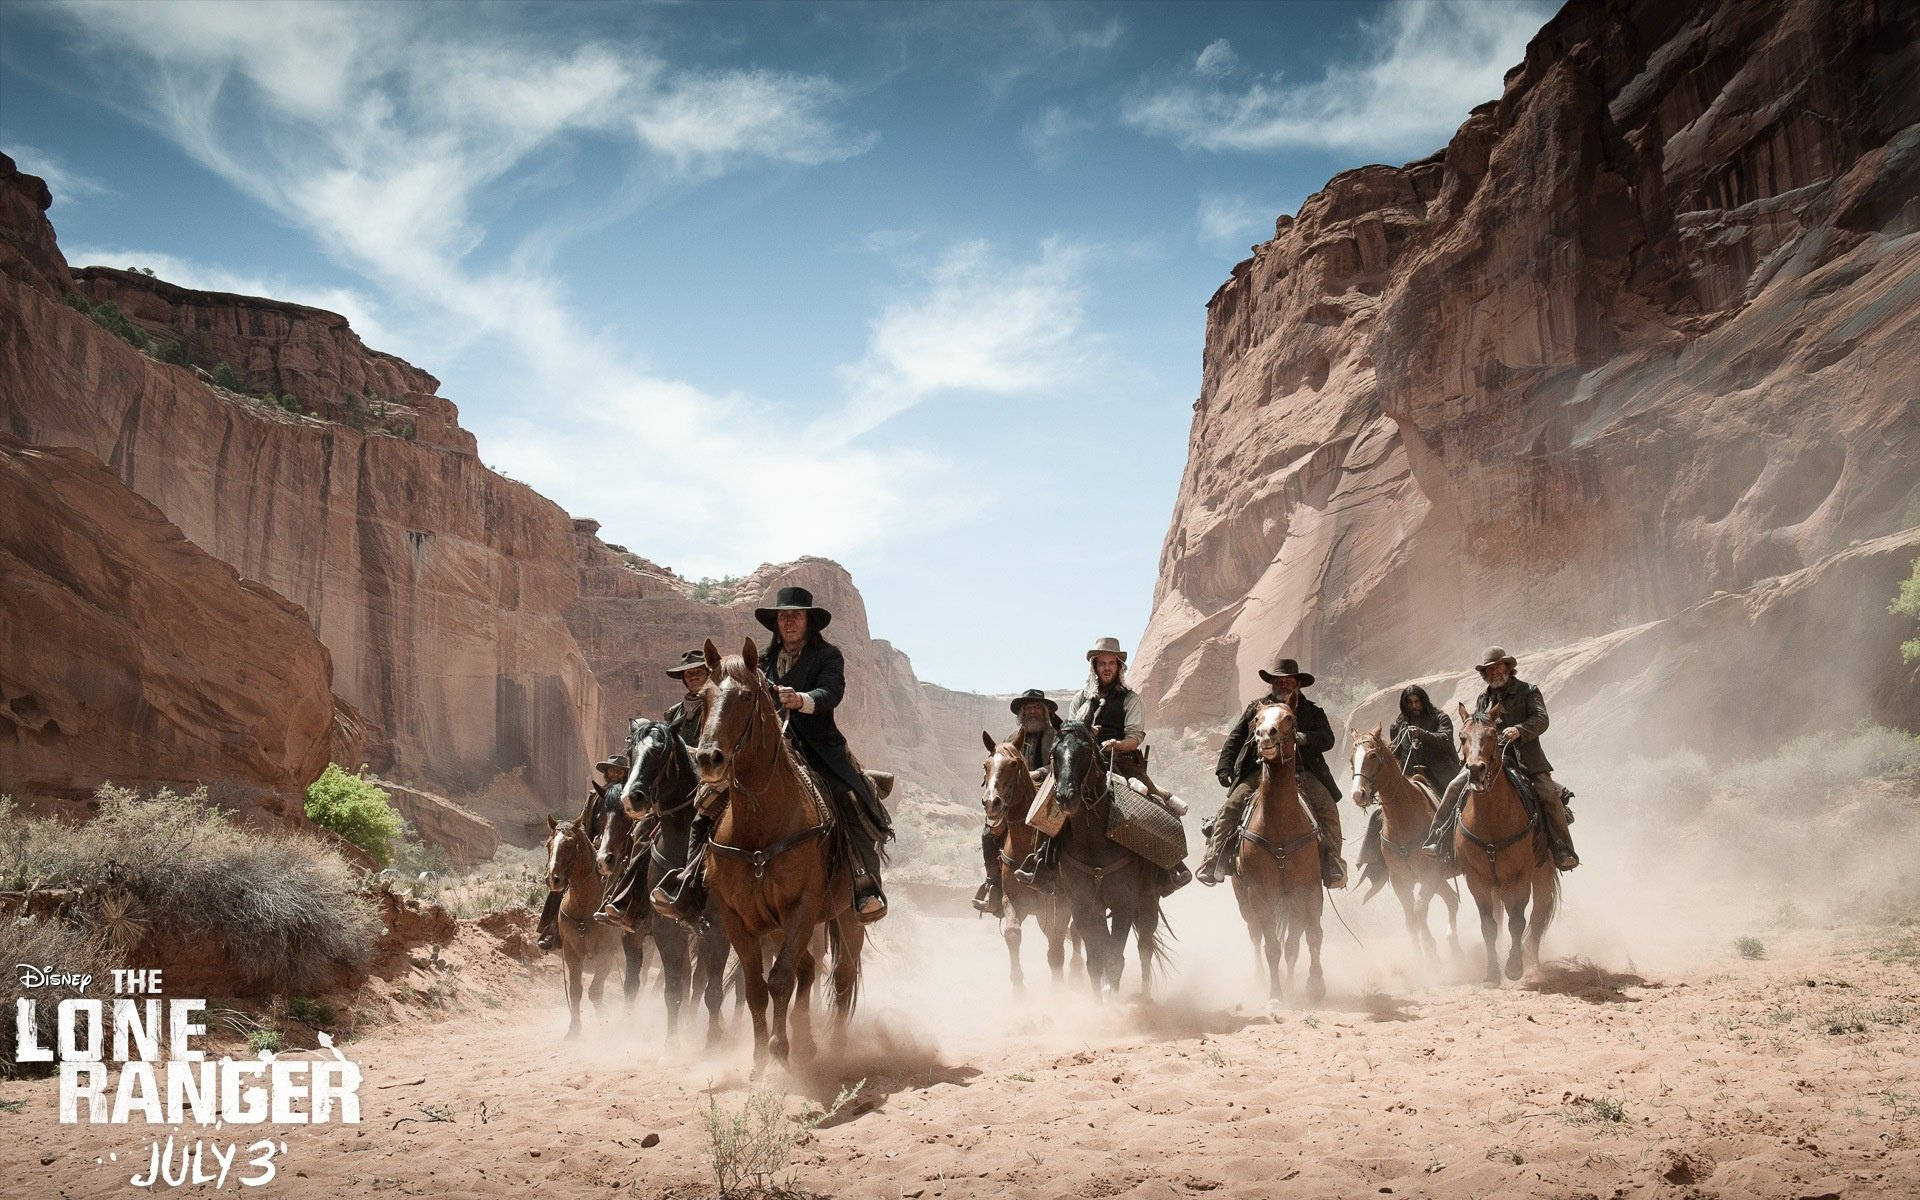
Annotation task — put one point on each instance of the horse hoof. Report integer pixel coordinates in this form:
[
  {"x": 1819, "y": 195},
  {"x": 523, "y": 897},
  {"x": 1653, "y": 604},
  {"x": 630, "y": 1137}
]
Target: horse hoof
[
  {"x": 1492, "y": 982},
  {"x": 1514, "y": 971}
]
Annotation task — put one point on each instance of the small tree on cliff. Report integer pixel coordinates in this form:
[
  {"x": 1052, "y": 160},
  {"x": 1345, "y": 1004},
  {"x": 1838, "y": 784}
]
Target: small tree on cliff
[
  {"x": 353, "y": 807},
  {"x": 1907, "y": 604}
]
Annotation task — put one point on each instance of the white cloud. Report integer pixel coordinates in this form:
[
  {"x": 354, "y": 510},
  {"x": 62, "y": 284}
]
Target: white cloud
[
  {"x": 1232, "y": 219},
  {"x": 1050, "y": 134},
  {"x": 63, "y": 181},
  {"x": 1216, "y": 60},
  {"x": 978, "y": 322},
  {"x": 377, "y": 128},
  {"x": 1436, "y": 60}
]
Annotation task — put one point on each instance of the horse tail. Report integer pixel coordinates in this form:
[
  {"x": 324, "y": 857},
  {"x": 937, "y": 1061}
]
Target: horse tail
[
  {"x": 839, "y": 950},
  {"x": 1548, "y": 905},
  {"x": 1160, "y": 950}
]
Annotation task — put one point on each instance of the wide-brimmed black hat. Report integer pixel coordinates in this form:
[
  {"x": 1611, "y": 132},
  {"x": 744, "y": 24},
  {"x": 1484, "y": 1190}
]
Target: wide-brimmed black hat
[
  {"x": 1286, "y": 668},
  {"x": 1030, "y": 696},
  {"x": 792, "y": 599},
  {"x": 688, "y": 661}
]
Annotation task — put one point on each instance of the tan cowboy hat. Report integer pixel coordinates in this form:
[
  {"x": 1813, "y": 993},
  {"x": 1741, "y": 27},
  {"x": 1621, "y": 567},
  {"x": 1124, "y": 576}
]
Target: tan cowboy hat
[
  {"x": 792, "y": 599},
  {"x": 688, "y": 661},
  {"x": 1286, "y": 668},
  {"x": 1107, "y": 645},
  {"x": 618, "y": 761},
  {"x": 1494, "y": 655}
]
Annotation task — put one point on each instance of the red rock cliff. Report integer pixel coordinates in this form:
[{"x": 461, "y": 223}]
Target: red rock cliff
[
  {"x": 438, "y": 586},
  {"x": 1644, "y": 331}
]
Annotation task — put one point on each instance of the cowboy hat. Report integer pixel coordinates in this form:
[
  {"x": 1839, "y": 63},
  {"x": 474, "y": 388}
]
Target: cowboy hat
[
  {"x": 1107, "y": 645},
  {"x": 792, "y": 599},
  {"x": 1286, "y": 668},
  {"x": 1494, "y": 655},
  {"x": 617, "y": 760},
  {"x": 688, "y": 661},
  {"x": 1032, "y": 696}
]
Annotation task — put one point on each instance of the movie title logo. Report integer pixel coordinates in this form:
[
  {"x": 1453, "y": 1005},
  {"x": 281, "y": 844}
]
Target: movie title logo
[{"x": 165, "y": 1078}]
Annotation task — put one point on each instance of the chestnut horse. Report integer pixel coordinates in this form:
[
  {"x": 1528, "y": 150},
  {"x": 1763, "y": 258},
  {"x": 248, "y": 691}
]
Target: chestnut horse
[
  {"x": 1496, "y": 844},
  {"x": 583, "y": 942},
  {"x": 1407, "y": 811},
  {"x": 1008, "y": 792},
  {"x": 771, "y": 863},
  {"x": 611, "y": 844},
  {"x": 1278, "y": 858},
  {"x": 1111, "y": 890}
]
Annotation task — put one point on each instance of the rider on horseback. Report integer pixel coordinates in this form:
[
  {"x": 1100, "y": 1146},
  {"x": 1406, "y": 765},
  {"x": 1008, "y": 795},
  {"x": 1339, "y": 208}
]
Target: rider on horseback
[
  {"x": 684, "y": 718},
  {"x": 1523, "y": 718},
  {"x": 1422, "y": 741},
  {"x": 1039, "y": 721},
  {"x": 1238, "y": 769},
  {"x": 613, "y": 769},
  {"x": 690, "y": 712}
]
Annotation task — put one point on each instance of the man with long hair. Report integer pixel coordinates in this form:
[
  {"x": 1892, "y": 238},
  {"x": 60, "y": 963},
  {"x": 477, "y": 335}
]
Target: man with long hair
[{"x": 1039, "y": 721}]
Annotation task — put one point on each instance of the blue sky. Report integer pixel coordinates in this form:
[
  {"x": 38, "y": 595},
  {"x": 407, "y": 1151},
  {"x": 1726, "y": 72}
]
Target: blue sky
[{"x": 917, "y": 287}]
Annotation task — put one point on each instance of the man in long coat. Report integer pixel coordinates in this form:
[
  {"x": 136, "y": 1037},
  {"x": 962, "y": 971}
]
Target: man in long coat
[
  {"x": 1422, "y": 742},
  {"x": 1238, "y": 769},
  {"x": 1039, "y": 720}
]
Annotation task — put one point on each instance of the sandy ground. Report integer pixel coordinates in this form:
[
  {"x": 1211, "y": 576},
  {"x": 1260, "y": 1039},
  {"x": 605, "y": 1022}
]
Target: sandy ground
[{"x": 1691, "y": 1072}]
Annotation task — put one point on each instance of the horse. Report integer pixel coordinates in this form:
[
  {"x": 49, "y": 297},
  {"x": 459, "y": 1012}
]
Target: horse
[
  {"x": 1495, "y": 841},
  {"x": 771, "y": 864},
  {"x": 583, "y": 943},
  {"x": 1110, "y": 889},
  {"x": 1407, "y": 810},
  {"x": 1277, "y": 877},
  {"x": 611, "y": 845},
  {"x": 1008, "y": 793},
  {"x": 660, "y": 792}
]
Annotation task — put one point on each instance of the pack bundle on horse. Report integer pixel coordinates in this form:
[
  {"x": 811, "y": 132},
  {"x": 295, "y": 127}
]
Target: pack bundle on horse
[
  {"x": 1008, "y": 792},
  {"x": 1502, "y": 851},
  {"x": 1407, "y": 808},
  {"x": 584, "y": 944},
  {"x": 774, "y": 866},
  {"x": 1110, "y": 889},
  {"x": 659, "y": 796},
  {"x": 1277, "y": 877}
]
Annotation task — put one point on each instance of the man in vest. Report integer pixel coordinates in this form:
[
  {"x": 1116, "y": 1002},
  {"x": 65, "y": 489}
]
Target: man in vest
[
  {"x": 1238, "y": 770},
  {"x": 1523, "y": 718},
  {"x": 690, "y": 712},
  {"x": 1039, "y": 719},
  {"x": 684, "y": 717}
]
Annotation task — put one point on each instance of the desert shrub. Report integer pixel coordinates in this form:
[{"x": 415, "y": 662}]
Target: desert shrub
[
  {"x": 1750, "y": 947},
  {"x": 749, "y": 1150},
  {"x": 68, "y": 947},
  {"x": 224, "y": 377},
  {"x": 312, "y": 1013},
  {"x": 107, "y": 315},
  {"x": 171, "y": 352},
  {"x": 264, "y": 1039},
  {"x": 1907, "y": 604},
  {"x": 357, "y": 809},
  {"x": 716, "y": 591},
  {"x": 285, "y": 910}
]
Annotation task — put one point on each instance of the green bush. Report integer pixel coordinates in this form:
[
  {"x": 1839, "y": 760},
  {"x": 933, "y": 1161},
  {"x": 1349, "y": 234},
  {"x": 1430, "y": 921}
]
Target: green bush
[
  {"x": 171, "y": 352},
  {"x": 224, "y": 377},
  {"x": 356, "y": 809},
  {"x": 1907, "y": 604},
  {"x": 264, "y": 1039}
]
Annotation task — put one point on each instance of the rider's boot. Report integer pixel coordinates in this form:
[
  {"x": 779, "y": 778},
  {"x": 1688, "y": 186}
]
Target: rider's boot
[
  {"x": 1333, "y": 868},
  {"x": 618, "y": 908},
  {"x": 1559, "y": 837},
  {"x": 1222, "y": 839},
  {"x": 550, "y": 921},
  {"x": 682, "y": 891},
  {"x": 869, "y": 902},
  {"x": 988, "y": 899},
  {"x": 1039, "y": 871},
  {"x": 1440, "y": 842}
]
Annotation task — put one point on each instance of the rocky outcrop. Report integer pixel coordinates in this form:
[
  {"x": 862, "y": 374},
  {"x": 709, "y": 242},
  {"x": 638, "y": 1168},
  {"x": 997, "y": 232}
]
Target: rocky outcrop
[
  {"x": 1669, "y": 685},
  {"x": 284, "y": 349},
  {"x": 1643, "y": 332},
  {"x": 438, "y": 585},
  {"x": 465, "y": 836},
  {"x": 634, "y": 618},
  {"x": 128, "y": 655}
]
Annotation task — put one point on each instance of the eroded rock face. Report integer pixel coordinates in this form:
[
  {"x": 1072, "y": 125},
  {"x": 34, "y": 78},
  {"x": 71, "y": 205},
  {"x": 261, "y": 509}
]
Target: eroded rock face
[
  {"x": 129, "y": 655},
  {"x": 633, "y": 620},
  {"x": 1644, "y": 331},
  {"x": 465, "y": 835},
  {"x": 438, "y": 586}
]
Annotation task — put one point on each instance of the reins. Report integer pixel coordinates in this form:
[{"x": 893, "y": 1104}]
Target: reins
[
  {"x": 759, "y": 859},
  {"x": 1493, "y": 849}
]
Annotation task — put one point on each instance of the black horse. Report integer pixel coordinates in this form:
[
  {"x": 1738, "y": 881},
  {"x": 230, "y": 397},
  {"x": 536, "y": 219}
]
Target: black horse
[
  {"x": 660, "y": 791},
  {"x": 1111, "y": 889}
]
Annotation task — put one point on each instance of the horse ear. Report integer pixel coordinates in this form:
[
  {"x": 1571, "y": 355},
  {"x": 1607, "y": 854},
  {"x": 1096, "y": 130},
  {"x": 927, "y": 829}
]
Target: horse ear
[
  {"x": 1493, "y": 714},
  {"x": 752, "y": 654},
  {"x": 551, "y": 823},
  {"x": 988, "y": 739},
  {"x": 1462, "y": 710},
  {"x": 1376, "y": 730},
  {"x": 713, "y": 657}
]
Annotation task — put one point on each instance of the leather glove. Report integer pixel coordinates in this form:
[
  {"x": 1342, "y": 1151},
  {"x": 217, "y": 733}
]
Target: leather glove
[
  {"x": 1299, "y": 738},
  {"x": 1225, "y": 778},
  {"x": 1509, "y": 735}
]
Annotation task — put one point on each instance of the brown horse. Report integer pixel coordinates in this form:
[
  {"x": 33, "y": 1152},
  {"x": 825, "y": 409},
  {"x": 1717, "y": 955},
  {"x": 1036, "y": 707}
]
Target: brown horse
[
  {"x": 1407, "y": 810},
  {"x": 583, "y": 942},
  {"x": 771, "y": 863},
  {"x": 1278, "y": 881},
  {"x": 1007, "y": 792},
  {"x": 611, "y": 846},
  {"x": 1496, "y": 845}
]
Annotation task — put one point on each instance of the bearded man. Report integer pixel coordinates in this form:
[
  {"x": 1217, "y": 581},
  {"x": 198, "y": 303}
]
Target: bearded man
[{"x": 1039, "y": 721}]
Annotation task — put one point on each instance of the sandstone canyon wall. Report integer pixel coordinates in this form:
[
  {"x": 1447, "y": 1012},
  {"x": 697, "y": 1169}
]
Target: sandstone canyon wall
[
  {"x": 438, "y": 586},
  {"x": 1646, "y": 331}
]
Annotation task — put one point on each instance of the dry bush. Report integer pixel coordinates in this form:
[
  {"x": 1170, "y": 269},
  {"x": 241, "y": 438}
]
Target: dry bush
[
  {"x": 52, "y": 944},
  {"x": 172, "y": 869},
  {"x": 749, "y": 1150}
]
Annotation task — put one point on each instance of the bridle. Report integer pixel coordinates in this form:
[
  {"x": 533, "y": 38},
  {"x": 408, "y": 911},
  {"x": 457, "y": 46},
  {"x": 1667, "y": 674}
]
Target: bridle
[
  {"x": 756, "y": 697},
  {"x": 1492, "y": 849},
  {"x": 658, "y": 732}
]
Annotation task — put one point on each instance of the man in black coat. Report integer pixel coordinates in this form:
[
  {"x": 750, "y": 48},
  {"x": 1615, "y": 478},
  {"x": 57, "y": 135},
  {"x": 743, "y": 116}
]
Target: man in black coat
[
  {"x": 1238, "y": 769},
  {"x": 1039, "y": 721},
  {"x": 809, "y": 678}
]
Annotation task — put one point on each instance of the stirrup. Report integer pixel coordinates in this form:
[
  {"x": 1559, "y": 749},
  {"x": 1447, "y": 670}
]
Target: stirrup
[
  {"x": 988, "y": 899},
  {"x": 617, "y": 918},
  {"x": 866, "y": 915}
]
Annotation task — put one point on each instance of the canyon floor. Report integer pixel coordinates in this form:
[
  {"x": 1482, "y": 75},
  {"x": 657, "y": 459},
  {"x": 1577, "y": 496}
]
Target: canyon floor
[{"x": 1663, "y": 1063}]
